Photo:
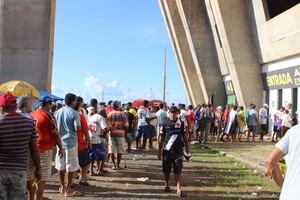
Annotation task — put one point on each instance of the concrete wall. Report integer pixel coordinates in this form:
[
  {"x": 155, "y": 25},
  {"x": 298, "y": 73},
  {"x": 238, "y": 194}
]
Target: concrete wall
[
  {"x": 239, "y": 50},
  {"x": 26, "y": 41},
  {"x": 214, "y": 39},
  {"x": 278, "y": 38},
  {"x": 194, "y": 48}
]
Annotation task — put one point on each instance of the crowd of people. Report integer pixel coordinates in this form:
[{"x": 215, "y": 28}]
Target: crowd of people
[{"x": 88, "y": 135}]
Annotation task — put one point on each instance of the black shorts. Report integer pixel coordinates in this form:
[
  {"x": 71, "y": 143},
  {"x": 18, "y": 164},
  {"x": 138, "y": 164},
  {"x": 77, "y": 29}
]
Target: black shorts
[
  {"x": 84, "y": 158},
  {"x": 264, "y": 127},
  {"x": 276, "y": 129},
  {"x": 170, "y": 159}
]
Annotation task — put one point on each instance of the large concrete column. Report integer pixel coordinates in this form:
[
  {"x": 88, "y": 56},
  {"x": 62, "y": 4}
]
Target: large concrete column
[
  {"x": 26, "y": 41},
  {"x": 195, "y": 49},
  {"x": 239, "y": 49},
  {"x": 202, "y": 48}
]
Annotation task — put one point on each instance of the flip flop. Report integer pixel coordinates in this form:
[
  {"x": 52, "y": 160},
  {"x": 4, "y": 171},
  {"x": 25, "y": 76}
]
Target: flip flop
[
  {"x": 99, "y": 174},
  {"x": 167, "y": 189},
  {"x": 84, "y": 183},
  {"x": 118, "y": 168},
  {"x": 181, "y": 194},
  {"x": 114, "y": 168},
  {"x": 73, "y": 194},
  {"x": 61, "y": 191}
]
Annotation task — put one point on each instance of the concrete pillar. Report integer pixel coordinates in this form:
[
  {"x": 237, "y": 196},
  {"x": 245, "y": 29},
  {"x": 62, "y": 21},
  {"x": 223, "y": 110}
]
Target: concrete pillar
[
  {"x": 239, "y": 50},
  {"x": 194, "y": 47},
  {"x": 26, "y": 41}
]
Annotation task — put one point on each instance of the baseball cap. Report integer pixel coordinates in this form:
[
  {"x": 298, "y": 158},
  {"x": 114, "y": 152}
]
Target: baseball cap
[
  {"x": 7, "y": 99},
  {"x": 265, "y": 105},
  {"x": 173, "y": 109},
  {"x": 219, "y": 108},
  {"x": 46, "y": 99}
]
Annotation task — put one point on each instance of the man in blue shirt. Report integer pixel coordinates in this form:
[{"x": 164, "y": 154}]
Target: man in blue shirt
[{"x": 68, "y": 123}]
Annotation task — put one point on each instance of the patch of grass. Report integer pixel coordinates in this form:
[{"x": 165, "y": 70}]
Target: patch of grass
[{"x": 219, "y": 176}]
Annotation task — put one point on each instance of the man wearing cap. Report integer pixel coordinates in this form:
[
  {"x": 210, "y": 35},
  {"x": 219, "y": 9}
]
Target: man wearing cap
[
  {"x": 263, "y": 120},
  {"x": 119, "y": 128},
  {"x": 18, "y": 133},
  {"x": 171, "y": 141},
  {"x": 68, "y": 122},
  {"x": 48, "y": 135}
]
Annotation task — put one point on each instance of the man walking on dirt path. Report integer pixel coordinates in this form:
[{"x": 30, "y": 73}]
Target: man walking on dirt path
[{"x": 171, "y": 148}]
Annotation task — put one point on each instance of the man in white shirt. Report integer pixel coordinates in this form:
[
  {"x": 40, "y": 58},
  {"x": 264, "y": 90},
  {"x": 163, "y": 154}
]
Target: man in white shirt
[
  {"x": 263, "y": 120},
  {"x": 143, "y": 126},
  {"x": 288, "y": 145},
  {"x": 97, "y": 127}
]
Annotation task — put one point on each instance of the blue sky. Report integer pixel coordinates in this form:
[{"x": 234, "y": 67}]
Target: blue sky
[{"x": 113, "y": 46}]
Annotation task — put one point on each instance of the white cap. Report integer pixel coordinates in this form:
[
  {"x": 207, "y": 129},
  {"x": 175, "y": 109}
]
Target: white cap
[
  {"x": 265, "y": 105},
  {"x": 219, "y": 108}
]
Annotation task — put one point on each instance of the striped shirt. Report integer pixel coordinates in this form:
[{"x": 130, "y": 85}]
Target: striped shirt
[
  {"x": 118, "y": 122},
  {"x": 16, "y": 132}
]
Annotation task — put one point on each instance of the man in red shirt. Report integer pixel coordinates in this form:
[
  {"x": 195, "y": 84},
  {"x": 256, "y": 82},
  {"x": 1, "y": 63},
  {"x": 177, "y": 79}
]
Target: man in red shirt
[
  {"x": 83, "y": 140},
  {"x": 48, "y": 135}
]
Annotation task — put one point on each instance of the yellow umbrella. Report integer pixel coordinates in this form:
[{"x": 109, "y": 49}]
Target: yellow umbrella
[{"x": 19, "y": 88}]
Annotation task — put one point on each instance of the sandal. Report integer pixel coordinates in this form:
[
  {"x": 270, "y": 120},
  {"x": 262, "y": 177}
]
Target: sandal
[
  {"x": 61, "y": 191},
  {"x": 181, "y": 194},
  {"x": 99, "y": 174},
  {"x": 73, "y": 194},
  {"x": 84, "y": 183},
  {"x": 167, "y": 189}
]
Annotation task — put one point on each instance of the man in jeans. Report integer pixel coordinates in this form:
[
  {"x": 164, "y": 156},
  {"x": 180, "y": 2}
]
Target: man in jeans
[
  {"x": 68, "y": 122},
  {"x": 17, "y": 135}
]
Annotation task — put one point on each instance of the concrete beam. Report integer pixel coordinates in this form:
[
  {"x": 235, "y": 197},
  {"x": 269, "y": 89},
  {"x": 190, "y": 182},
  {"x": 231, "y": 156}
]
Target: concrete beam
[{"x": 26, "y": 42}]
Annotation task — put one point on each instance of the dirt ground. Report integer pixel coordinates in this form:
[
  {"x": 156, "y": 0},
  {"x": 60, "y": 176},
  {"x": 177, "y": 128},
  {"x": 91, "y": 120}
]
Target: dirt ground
[{"x": 124, "y": 184}]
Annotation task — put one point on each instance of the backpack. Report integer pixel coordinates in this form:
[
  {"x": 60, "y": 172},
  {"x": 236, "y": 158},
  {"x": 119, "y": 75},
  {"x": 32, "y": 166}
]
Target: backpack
[{"x": 206, "y": 115}]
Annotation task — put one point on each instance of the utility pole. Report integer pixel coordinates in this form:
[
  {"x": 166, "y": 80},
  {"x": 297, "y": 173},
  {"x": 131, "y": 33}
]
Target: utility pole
[
  {"x": 102, "y": 98},
  {"x": 165, "y": 76},
  {"x": 150, "y": 94}
]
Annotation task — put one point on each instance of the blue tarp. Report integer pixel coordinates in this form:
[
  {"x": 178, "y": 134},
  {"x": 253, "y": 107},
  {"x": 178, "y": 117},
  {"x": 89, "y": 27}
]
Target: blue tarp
[{"x": 55, "y": 98}]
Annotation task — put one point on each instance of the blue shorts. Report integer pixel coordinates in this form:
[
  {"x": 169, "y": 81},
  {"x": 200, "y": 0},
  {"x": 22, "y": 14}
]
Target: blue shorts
[
  {"x": 143, "y": 131},
  {"x": 84, "y": 158},
  {"x": 97, "y": 152},
  {"x": 253, "y": 129}
]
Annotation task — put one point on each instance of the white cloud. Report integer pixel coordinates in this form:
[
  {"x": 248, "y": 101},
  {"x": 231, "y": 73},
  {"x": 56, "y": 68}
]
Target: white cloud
[
  {"x": 113, "y": 90},
  {"x": 92, "y": 84}
]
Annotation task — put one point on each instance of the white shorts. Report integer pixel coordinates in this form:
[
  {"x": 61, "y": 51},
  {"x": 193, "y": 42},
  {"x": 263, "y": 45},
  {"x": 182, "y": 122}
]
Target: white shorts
[
  {"x": 46, "y": 159},
  {"x": 116, "y": 144},
  {"x": 241, "y": 129},
  {"x": 69, "y": 162}
]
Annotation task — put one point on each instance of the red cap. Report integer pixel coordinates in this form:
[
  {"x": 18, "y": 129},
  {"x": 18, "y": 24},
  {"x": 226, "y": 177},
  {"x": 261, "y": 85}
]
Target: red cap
[{"x": 7, "y": 99}]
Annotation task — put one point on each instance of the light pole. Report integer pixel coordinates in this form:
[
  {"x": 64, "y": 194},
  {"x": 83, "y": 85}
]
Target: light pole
[{"x": 165, "y": 76}]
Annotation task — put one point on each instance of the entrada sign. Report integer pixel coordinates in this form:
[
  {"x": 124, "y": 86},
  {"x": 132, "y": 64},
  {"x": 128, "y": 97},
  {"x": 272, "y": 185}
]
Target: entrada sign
[{"x": 284, "y": 78}]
